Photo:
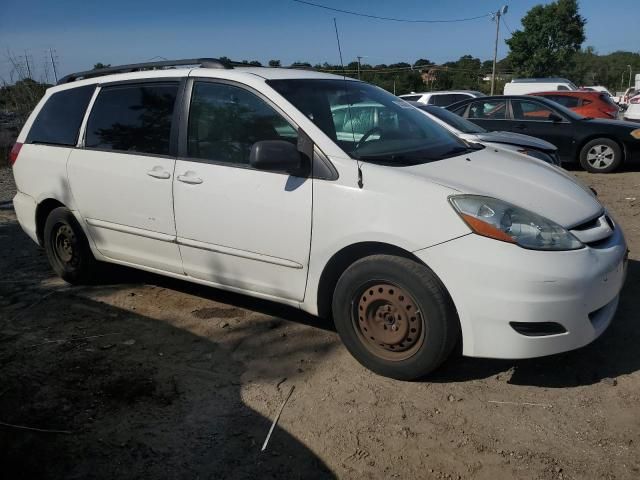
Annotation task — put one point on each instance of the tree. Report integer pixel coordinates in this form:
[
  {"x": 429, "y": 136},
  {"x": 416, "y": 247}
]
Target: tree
[
  {"x": 100, "y": 65},
  {"x": 274, "y": 63},
  {"x": 422, "y": 62},
  {"x": 551, "y": 37}
]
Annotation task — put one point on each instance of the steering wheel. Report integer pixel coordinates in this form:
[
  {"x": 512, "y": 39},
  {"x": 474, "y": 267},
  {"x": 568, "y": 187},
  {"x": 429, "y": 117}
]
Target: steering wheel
[{"x": 366, "y": 136}]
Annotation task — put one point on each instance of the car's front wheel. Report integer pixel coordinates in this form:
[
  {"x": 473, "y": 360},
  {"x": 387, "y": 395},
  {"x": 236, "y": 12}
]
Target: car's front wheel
[
  {"x": 67, "y": 247},
  {"x": 395, "y": 316},
  {"x": 601, "y": 155}
]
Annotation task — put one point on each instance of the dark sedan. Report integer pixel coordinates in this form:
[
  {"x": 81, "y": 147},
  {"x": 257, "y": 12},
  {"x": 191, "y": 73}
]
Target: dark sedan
[{"x": 599, "y": 145}]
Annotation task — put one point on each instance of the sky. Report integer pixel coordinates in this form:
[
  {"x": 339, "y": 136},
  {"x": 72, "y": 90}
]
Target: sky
[{"x": 81, "y": 33}]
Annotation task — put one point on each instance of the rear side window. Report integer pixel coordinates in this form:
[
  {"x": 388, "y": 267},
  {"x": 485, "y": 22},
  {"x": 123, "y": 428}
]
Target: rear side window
[
  {"x": 488, "y": 110},
  {"x": 58, "y": 122},
  {"x": 133, "y": 118}
]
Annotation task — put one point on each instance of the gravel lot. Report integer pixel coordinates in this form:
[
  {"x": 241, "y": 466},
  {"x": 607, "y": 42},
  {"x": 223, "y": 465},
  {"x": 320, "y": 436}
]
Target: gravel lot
[
  {"x": 149, "y": 377},
  {"x": 7, "y": 186}
]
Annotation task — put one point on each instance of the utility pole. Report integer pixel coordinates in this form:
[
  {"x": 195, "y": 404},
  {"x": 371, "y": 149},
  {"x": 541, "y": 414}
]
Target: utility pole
[
  {"x": 26, "y": 59},
  {"x": 359, "y": 58},
  {"x": 629, "y": 75},
  {"x": 496, "y": 17},
  {"x": 53, "y": 63}
]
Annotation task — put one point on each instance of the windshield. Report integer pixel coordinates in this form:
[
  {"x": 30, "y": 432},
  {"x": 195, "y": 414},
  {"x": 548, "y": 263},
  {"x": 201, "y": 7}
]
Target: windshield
[
  {"x": 369, "y": 123},
  {"x": 456, "y": 121}
]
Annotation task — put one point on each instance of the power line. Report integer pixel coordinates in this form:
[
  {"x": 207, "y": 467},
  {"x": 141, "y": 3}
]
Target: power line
[
  {"x": 406, "y": 20},
  {"x": 507, "y": 25}
]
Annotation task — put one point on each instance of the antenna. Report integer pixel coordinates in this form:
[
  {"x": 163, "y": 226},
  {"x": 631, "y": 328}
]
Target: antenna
[{"x": 344, "y": 78}]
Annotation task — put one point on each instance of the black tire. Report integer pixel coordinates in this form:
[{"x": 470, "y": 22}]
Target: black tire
[
  {"x": 67, "y": 248},
  {"x": 406, "y": 285},
  {"x": 601, "y": 155}
]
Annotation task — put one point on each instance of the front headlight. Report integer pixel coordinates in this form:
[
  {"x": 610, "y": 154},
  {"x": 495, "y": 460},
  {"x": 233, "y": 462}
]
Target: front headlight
[
  {"x": 500, "y": 220},
  {"x": 636, "y": 133}
]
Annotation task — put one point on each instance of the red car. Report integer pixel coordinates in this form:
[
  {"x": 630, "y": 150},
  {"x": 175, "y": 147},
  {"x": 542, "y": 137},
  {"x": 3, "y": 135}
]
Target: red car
[{"x": 586, "y": 103}]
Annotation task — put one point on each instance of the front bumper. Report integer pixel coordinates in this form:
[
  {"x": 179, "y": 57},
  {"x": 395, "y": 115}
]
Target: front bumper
[
  {"x": 493, "y": 283},
  {"x": 25, "y": 208}
]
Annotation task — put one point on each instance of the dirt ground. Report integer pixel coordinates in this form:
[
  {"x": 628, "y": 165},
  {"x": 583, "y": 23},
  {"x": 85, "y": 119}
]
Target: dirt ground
[{"x": 155, "y": 378}]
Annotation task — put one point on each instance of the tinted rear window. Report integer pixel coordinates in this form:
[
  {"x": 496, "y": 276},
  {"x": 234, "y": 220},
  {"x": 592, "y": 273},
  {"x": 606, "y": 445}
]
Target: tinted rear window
[
  {"x": 607, "y": 99},
  {"x": 133, "y": 118},
  {"x": 411, "y": 98},
  {"x": 59, "y": 120},
  {"x": 447, "y": 99},
  {"x": 565, "y": 100}
]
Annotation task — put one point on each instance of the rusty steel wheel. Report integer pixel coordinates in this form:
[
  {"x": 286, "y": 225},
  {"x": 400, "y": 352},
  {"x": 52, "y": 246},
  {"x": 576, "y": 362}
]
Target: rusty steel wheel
[
  {"x": 388, "y": 321},
  {"x": 67, "y": 247},
  {"x": 394, "y": 315}
]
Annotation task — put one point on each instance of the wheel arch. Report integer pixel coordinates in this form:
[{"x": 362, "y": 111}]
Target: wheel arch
[
  {"x": 44, "y": 208},
  {"x": 341, "y": 260}
]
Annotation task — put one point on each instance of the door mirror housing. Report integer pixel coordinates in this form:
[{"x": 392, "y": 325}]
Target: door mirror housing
[
  {"x": 277, "y": 156},
  {"x": 555, "y": 118}
]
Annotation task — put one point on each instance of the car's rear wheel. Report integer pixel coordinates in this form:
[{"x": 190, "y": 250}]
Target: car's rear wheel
[
  {"x": 601, "y": 155},
  {"x": 395, "y": 316},
  {"x": 67, "y": 247}
]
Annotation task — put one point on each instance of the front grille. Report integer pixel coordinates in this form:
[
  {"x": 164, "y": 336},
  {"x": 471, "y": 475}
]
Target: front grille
[
  {"x": 594, "y": 232},
  {"x": 588, "y": 225}
]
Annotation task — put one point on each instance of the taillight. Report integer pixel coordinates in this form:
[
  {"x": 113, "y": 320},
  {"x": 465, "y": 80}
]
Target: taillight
[
  {"x": 635, "y": 100},
  {"x": 13, "y": 154}
]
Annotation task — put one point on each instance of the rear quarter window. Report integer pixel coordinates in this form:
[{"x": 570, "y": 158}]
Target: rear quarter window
[
  {"x": 58, "y": 122},
  {"x": 133, "y": 118}
]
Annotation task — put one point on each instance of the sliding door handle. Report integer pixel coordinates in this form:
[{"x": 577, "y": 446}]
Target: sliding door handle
[{"x": 190, "y": 178}]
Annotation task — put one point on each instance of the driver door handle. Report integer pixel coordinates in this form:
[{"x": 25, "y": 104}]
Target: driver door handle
[{"x": 190, "y": 178}]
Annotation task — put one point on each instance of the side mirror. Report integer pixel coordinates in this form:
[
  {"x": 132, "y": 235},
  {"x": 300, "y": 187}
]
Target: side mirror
[
  {"x": 555, "y": 118},
  {"x": 277, "y": 156}
]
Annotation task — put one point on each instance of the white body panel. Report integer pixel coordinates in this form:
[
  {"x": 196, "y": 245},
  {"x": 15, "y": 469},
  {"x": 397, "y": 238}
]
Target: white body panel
[
  {"x": 493, "y": 283},
  {"x": 244, "y": 228},
  {"x": 522, "y": 88},
  {"x": 632, "y": 112},
  {"x": 600, "y": 88},
  {"x": 271, "y": 235},
  {"x": 430, "y": 98},
  {"x": 129, "y": 212}
]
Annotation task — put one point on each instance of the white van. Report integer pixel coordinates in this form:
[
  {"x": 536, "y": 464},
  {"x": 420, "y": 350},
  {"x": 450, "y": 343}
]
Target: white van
[
  {"x": 406, "y": 236},
  {"x": 525, "y": 86}
]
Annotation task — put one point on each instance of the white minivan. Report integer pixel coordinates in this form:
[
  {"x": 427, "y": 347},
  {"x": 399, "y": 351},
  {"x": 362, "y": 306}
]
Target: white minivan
[
  {"x": 525, "y": 86},
  {"x": 407, "y": 237}
]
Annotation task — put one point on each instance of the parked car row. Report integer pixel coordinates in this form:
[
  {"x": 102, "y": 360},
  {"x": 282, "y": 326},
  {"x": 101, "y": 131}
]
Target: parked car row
[
  {"x": 600, "y": 146},
  {"x": 471, "y": 132}
]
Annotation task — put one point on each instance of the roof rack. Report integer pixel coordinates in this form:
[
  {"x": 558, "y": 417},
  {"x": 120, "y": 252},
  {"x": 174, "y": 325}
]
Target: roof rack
[{"x": 135, "y": 67}]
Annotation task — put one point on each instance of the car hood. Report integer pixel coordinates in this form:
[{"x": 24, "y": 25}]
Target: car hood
[
  {"x": 518, "y": 139},
  {"x": 606, "y": 123},
  {"x": 518, "y": 179}
]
